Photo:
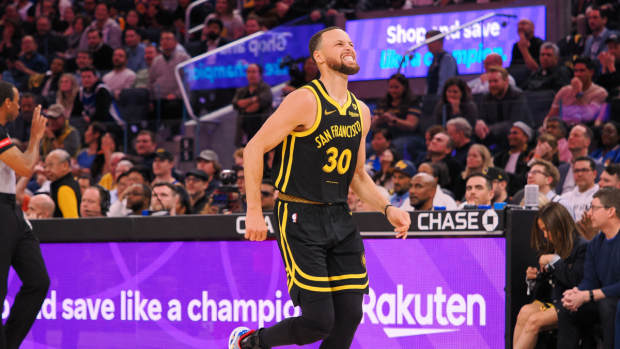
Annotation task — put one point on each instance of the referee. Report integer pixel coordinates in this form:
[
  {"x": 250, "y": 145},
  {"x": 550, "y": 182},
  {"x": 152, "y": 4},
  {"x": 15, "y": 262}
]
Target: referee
[{"x": 19, "y": 247}]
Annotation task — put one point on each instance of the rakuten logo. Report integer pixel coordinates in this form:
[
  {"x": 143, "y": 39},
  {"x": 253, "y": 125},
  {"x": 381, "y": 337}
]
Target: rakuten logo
[{"x": 400, "y": 308}]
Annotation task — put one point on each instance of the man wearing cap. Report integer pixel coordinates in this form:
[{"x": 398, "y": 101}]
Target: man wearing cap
[
  {"x": 514, "y": 160},
  {"x": 500, "y": 182},
  {"x": 196, "y": 182},
  {"x": 162, "y": 167},
  {"x": 610, "y": 63},
  {"x": 59, "y": 134},
  {"x": 209, "y": 163},
  {"x": 442, "y": 68},
  {"x": 403, "y": 171}
]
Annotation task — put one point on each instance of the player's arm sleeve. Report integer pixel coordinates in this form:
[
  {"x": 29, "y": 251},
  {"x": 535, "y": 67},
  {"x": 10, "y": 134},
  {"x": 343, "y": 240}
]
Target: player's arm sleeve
[{"x": 68, "y": 202}]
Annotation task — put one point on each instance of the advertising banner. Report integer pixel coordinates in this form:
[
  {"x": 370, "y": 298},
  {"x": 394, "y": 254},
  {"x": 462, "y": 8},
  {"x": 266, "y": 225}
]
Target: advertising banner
[
  {"x": 225, "y": 68},
  {"x": 380, "y": 56},
  {"x": 424, "y": 293}
]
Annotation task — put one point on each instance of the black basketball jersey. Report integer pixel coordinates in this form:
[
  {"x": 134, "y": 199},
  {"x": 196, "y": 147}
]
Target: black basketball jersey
[{"x": 318, "y": 164}]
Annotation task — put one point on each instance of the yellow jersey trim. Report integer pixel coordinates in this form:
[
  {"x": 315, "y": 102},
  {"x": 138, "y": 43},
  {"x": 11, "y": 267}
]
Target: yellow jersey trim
[
  {"x": 283, "y": 158},
  {"x": 317, "y": 119},
  {"x": 342, "y": 110},
  {"x": 290, "y": 164}
]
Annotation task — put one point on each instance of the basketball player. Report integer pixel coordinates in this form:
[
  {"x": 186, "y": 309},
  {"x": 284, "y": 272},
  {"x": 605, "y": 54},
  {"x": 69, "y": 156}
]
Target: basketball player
[
  {"x": 18, "y": 245},
  {"x": 320, "y": 130}
]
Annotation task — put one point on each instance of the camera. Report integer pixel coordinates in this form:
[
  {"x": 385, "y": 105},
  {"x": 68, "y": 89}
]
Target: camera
[{"x": 227, "y": 197}]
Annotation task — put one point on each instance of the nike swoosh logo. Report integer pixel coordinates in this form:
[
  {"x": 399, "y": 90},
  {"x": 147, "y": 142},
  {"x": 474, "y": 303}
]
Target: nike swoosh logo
[{"x": 330, "y": 112}]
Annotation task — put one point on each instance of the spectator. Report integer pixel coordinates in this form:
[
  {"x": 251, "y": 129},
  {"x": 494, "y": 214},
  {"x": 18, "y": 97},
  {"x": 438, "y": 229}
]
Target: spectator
[
  {"x": 59, "y": 134},
  {"x": 145, "y": 145},
  {"x": 232, "y": 22},
  {"x": 557, "y": 128},
  {"x": 481, "y": 83},
  {"x": 92, "y": 140},
  {"x": 610, "y": 177},
  {"x": 439, "y": 150},
  {"x": 579, "y": 142},
  {"x": 401, "y": 179},
  {"x": 439, "y": 171},
  {"x": 142, "y": 75},
  {"x": 550, "y": 75},
  {"x": 135, "y": 50},
  {"x": 183, "y": 205},
  {"x": 610, "y": 63},
  {"x": 252, "y": 25},
  {"x": 118, "y": 166},
  {"x": 20, "y": 127},
  {"x": 29, "y": 63},
  {"x": 100, "y": 51},
  {"x": 501, "y": 108},
  {"x": 196, "y": 182},
  {"x": 164, "y": 199},
  {"x": 49, "y": 44},
  {"x": 578, "y": 199},
  {"x": 162, "y": 80},
  {"x": 580, "y": 102},
  {"x": 210, "y": 39},
  {"x": 442, "y": 67},
  {"x": 47, "y": 85},
  {"x": 264, "y": 10},
  {"x": 514, "y": 160},
  {"x": 110, "y": 31},
  {"x": 268, "y": 195},
  {"x": 64, "y": 190},
  {"x": 84, "y": 181},
  {"x": 399, "y": 112},
  {"x": 599, "y": 287},
  {"x": 381, "y": 141},
  {"x": 120, "y": 77},
  {"x": 383, "y": 176},
  {"x": 561, "y": 262},
  {"x": 10, "y": 42},
  {"x": 95, "y": 202},
  {"x": 253, "y": 103},
  {"x": 527, "y": 50},
  {"x": 40, "y": 206},
  {"x": 95, "y": 97},
  {"x": 162, "y": 167},
  {"x": 609, "y": 150},
  {"x": 426, "y": 194},
  {"x": 500, "y": 181},
  {"x": 546, "y": 149},
  {"x": 478, "y": 191},
  {"x": 460, "y": 132},
  {"x": 67, "y": 94},
  {"x": 84, "y": 59},
  {"x": 73, "y": 34},
  {"x": 595, "y": 42},
  {"x": 546, "y": 176},
  {"x": 138, "y": 198},
  {"x": 455, "y": 102}
]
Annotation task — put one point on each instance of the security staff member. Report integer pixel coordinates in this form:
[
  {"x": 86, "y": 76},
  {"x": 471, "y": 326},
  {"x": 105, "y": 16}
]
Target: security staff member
[{"x": 19, "y": 247}]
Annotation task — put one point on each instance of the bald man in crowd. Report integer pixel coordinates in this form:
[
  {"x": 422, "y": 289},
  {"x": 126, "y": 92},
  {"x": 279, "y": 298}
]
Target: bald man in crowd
[
  {"x": 424, "y": 194},
  {"x": 40, "y": 206},
  {"x": 64, "y": 189}
]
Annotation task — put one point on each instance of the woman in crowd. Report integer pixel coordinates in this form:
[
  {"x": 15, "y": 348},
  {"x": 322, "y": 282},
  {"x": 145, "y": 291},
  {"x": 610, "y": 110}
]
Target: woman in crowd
[
  {"x": 383, "y": 177},
  {"x": 546, "y": 149},
  {"x": 609, "y": 150},
  {"x": 233, "y": 23},
  {"x": 66, "y": 96},
  {"x": 399, "y": 112},
  {"x": 478, "y": 160},
  {"x": 455, "y": 101},
  {"x": 562, "y": 255},
  {"x": 9, "y": 42}
]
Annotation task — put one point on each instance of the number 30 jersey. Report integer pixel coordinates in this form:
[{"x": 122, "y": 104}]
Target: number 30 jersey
[{"x": 318, "y": 164}]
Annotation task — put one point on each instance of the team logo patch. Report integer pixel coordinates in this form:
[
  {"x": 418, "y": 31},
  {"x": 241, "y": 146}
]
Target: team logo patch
[
  {"x": 329, "y": 112},
  {"x": 5, "y": 142},
  {"x": 294, "y": 217}
]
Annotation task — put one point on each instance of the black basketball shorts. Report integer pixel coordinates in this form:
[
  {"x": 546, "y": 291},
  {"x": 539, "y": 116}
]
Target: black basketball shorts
[{"x": 322, "y": 250}]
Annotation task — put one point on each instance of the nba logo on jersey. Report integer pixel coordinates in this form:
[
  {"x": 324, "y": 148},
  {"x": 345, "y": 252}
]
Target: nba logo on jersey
[{"x": 294, "y": 217}]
